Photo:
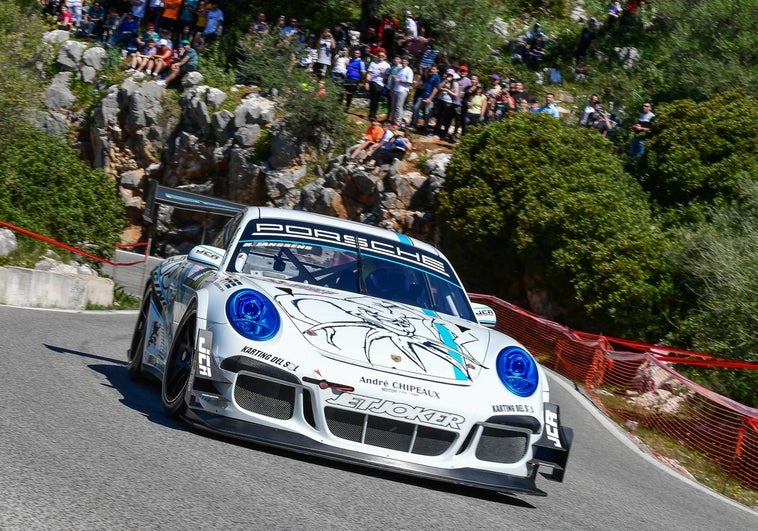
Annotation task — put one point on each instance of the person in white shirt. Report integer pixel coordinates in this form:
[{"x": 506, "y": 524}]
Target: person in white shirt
[
  {"x": 377, "y": 73},
  {"x": 411, "y": 28},
  {"x": 400, "y": 89}
]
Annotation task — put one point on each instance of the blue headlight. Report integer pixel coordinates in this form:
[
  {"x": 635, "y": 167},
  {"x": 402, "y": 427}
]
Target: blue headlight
[
  {"x": 518, "y": 371},
  {"x": 252, "y": 315}
]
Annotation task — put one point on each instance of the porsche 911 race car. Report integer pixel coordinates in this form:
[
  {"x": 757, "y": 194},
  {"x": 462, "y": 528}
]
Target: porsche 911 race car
[{"x": 350, "y": 342}]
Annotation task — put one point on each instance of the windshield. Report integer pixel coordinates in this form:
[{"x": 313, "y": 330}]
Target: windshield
[{"x": 352, "y": 262}]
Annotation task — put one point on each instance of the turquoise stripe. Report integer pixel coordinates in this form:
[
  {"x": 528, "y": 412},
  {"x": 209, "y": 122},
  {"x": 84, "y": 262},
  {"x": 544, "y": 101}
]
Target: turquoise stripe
[
  {"x": 447, "y": 338},
  {"x": 403, "y": 238}
]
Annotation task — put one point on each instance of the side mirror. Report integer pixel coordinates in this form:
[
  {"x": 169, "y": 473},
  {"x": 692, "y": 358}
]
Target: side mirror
[
  {"x": 207, "y": 255},
  {"x": 485, "y": 315}
]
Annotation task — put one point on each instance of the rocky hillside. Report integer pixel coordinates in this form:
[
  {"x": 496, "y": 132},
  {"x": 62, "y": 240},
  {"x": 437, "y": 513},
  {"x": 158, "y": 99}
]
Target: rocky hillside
[{"x": 204, "y": 147}]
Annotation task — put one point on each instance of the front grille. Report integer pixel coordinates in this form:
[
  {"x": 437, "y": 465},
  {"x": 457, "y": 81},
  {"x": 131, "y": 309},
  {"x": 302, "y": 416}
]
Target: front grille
[
  {"x": 264, "y": 397},
  {"x": 387, "y": 433},
  {"x": 501, "y": 445}
]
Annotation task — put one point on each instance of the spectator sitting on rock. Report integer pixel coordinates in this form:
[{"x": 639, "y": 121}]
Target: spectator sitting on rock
[
  {"x": 387, "y": 135},
  {"x": 160, "y": 60},
  {"x": 65, "y": 19},
  {"x": 534, "y": 50},
  {"x": 110, "y": 23},
  {"x": 140, "y": 58},
  {"x": 372, "y": 136},
  {"x": 188, "y": 61},
  {"x": 146, "y": 36},
  {"x": 93, "y": 21},
  {"x": 390, "y": 151}
]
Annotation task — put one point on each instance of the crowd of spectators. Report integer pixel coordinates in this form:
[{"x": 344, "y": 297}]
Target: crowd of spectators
[
  {"x": 394, "y": 64},
  {"x": 145, "y": 31}
]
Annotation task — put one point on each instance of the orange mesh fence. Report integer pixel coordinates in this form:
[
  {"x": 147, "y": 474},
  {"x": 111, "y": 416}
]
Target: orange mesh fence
[{"x": 638, "y": 386}]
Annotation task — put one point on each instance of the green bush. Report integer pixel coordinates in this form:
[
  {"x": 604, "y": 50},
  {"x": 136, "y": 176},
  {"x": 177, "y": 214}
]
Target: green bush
[
  {"x": 719, "y": 262},
  {"x": 550, "y": 215},
  {"x": 46, "y": 188},
  {"x": 697, "y": 150}
]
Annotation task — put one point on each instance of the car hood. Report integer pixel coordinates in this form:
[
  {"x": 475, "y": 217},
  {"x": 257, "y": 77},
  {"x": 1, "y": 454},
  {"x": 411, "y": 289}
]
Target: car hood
[{"x": 383, "y": 335}]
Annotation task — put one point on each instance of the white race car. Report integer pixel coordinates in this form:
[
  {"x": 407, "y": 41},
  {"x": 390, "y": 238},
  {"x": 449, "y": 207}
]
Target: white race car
[{"x": 350, "y": 342}]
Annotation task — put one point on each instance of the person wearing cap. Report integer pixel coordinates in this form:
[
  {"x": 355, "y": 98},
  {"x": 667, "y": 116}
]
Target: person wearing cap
[
  {"x": 147, "y": 35},
  {"x": 446, "y": 95},
  {"x": 160, "y": 60},
  {"x": 188, "y": 61}
]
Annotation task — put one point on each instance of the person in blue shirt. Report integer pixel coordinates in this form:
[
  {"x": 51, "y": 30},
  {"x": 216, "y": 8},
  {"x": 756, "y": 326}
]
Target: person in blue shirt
[
  {"x": 427, "y": 86},
  {"x": 549, "y": 107},
  {"x": 356, "y": 73}
]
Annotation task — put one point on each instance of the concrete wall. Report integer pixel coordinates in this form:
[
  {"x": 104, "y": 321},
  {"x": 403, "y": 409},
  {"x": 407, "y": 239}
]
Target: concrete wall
[{"x": 45, "y": 289}]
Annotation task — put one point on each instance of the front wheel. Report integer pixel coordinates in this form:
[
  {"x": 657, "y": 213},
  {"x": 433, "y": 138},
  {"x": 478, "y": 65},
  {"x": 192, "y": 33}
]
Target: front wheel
[
  {"x": 177, "y": 374},
  {"x": 135, "y": 354}
]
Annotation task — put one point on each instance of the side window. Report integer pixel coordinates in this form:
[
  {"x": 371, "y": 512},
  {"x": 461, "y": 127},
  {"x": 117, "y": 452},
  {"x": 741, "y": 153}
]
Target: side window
[{"x": 224, "y": 237}]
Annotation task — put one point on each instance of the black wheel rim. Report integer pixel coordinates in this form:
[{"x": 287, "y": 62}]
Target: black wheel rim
[
  {"x": 179, "y": 364},
  {"x": 138, "y": 339}
]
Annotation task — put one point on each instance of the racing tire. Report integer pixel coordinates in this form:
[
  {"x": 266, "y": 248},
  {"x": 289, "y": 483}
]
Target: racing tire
[
  {"x": 178, "y": 371},
  {"x": 137, "y": 348}
]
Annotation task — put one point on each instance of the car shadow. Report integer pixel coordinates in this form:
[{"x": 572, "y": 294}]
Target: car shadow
[{"x": 145, "y": 398}]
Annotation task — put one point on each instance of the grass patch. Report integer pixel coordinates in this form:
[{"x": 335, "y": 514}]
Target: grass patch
[{"x": 702, "y": 467}]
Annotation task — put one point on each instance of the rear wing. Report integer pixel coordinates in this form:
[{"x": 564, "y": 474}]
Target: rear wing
[{"x": 185, "y": 200}]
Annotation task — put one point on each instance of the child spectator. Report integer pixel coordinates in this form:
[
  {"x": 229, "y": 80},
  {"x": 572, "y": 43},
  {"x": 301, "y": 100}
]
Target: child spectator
[
  {"x": 140, "y": 58},
  {"x": 188, "y": 61}
]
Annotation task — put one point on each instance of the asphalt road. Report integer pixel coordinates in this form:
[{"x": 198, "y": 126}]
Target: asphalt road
[{"x": 82, "y": 447}]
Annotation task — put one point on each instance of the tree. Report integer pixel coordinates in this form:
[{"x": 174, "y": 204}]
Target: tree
[
  {"x": 719, "y": 263},
  {"x": 707, "y": 48},
  {"x": 44, "y": 185},
  {"x": 697, "y": 151},
  {"x": 555, "y": 224}
]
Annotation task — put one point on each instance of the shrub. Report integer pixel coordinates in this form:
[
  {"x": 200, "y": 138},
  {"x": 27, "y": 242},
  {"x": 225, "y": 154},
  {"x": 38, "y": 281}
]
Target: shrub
[{"x": 556, "y": 224}]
